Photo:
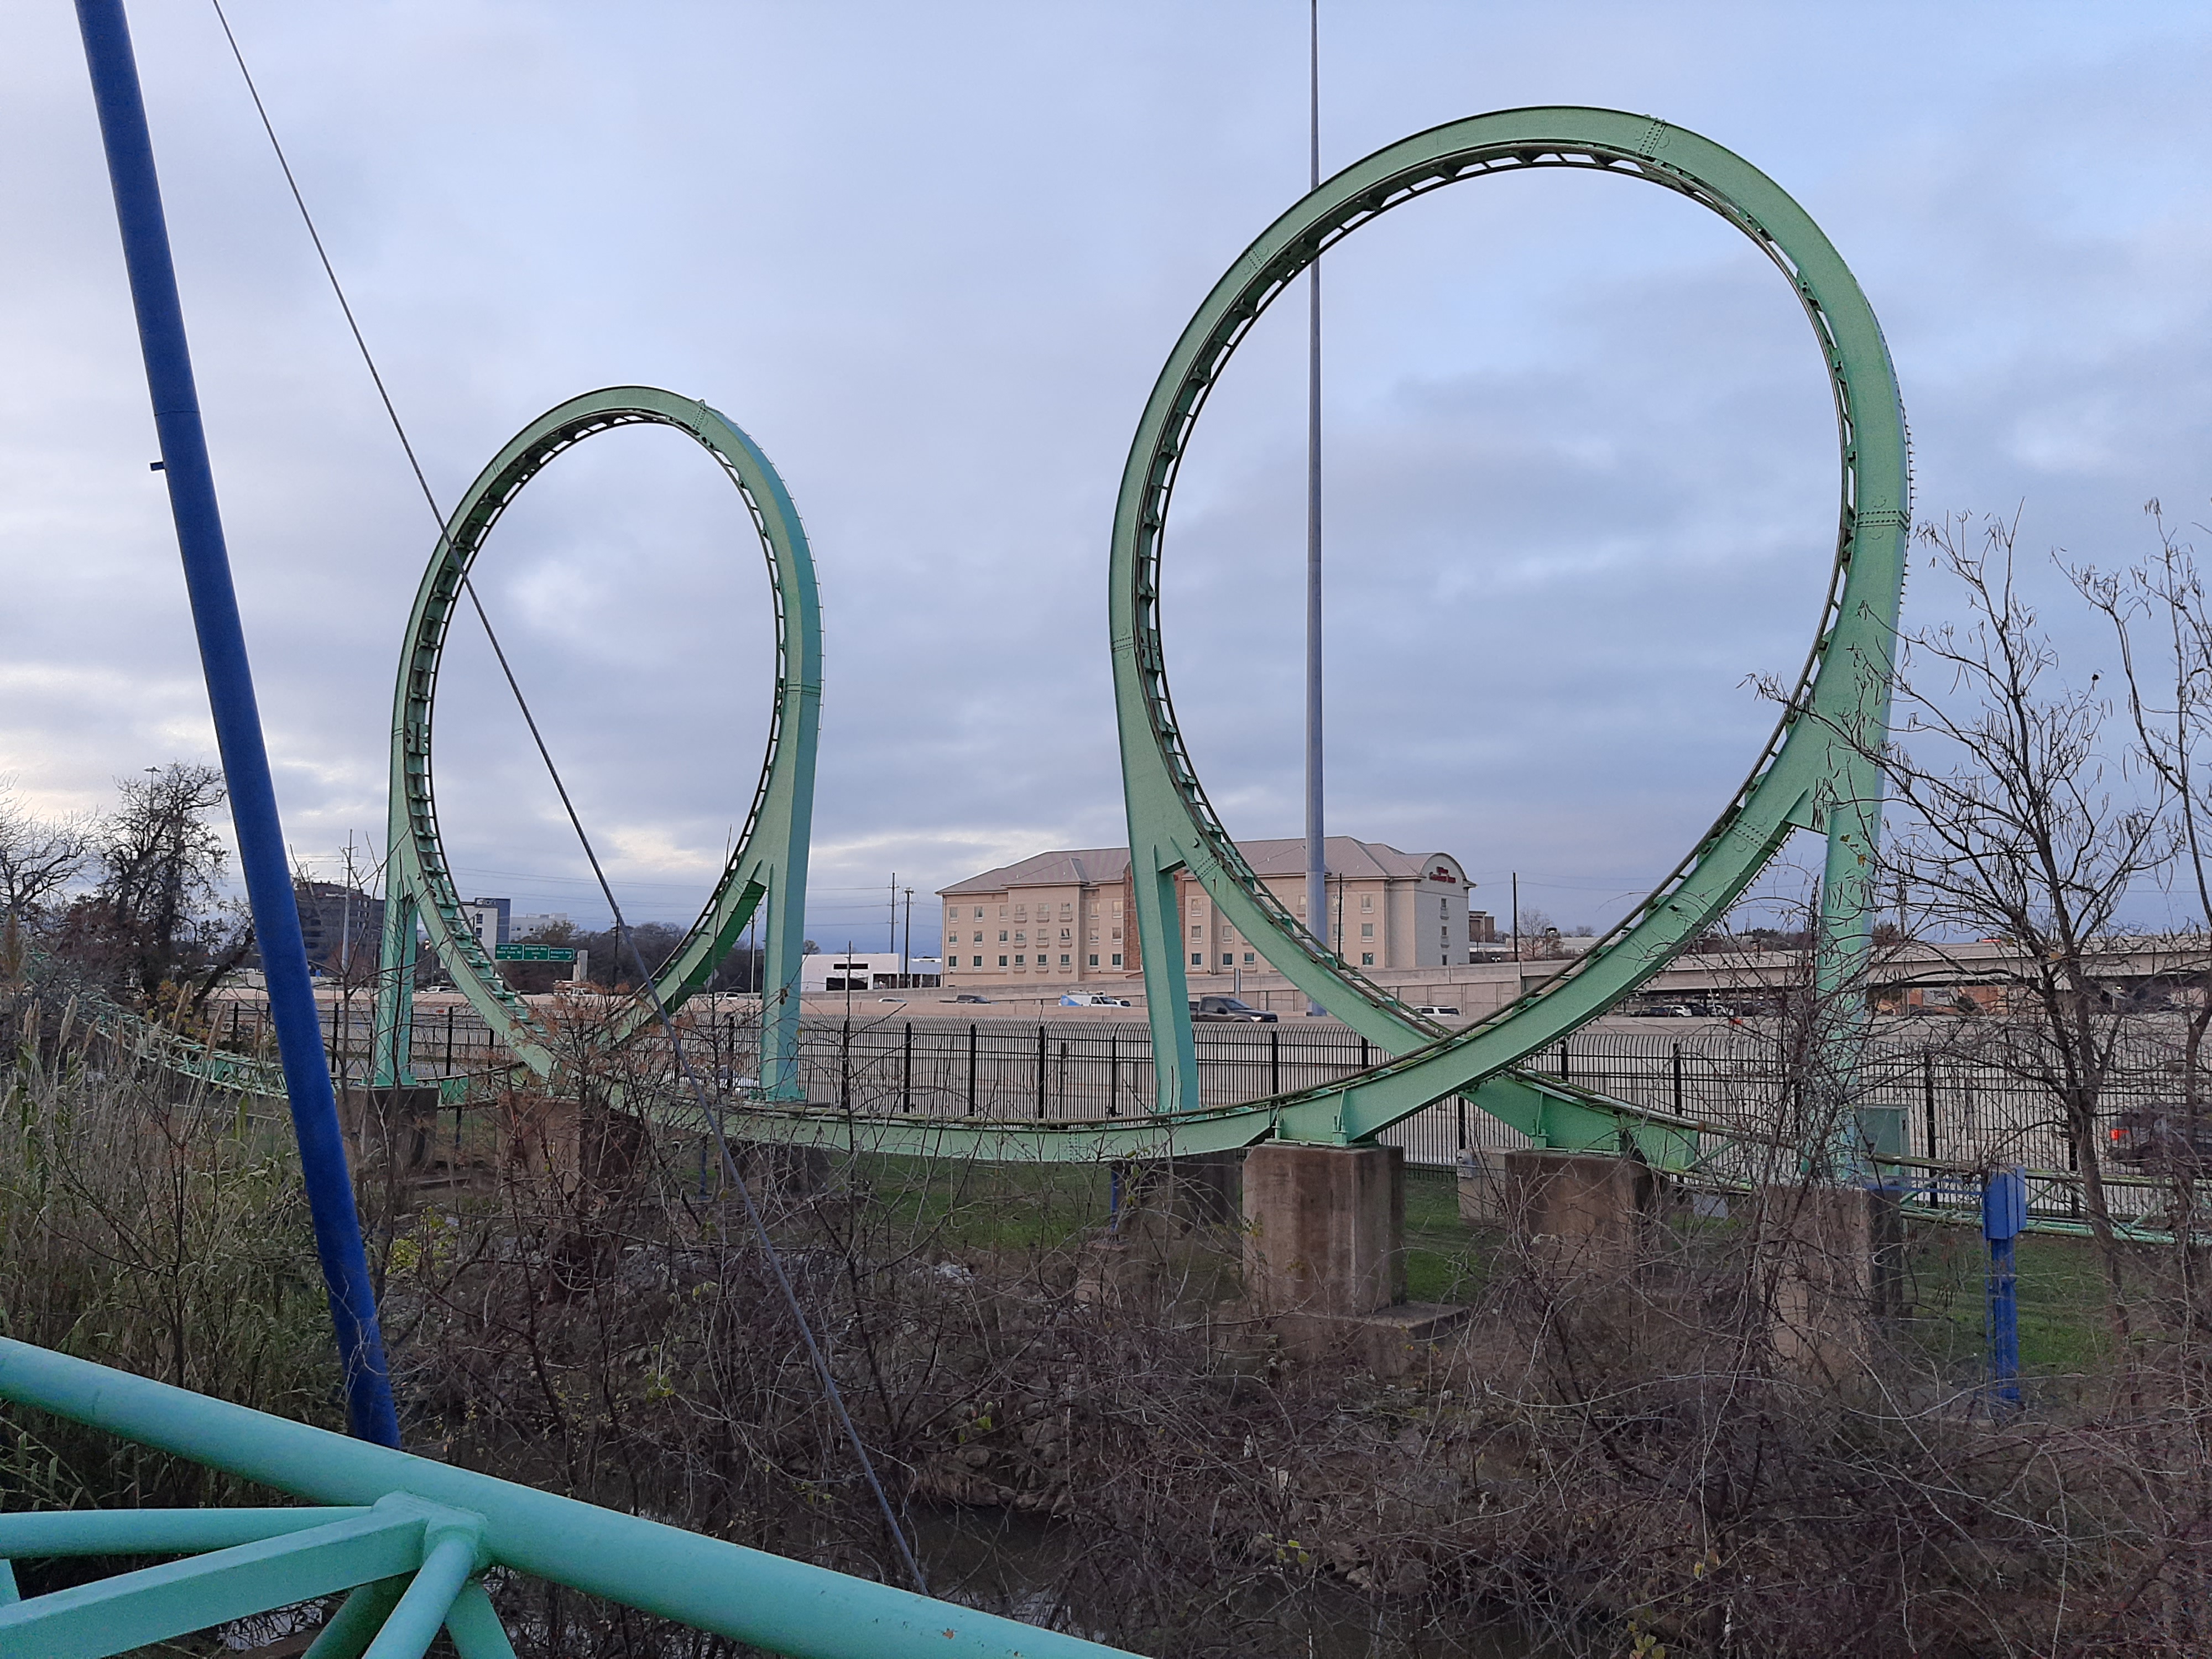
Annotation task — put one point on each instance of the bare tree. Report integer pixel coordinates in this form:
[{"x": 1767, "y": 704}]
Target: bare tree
[
  {"x": 158, "y": 915},
  {"x": 39, "y": 857},
  {"x": 2014, "y": 817}
]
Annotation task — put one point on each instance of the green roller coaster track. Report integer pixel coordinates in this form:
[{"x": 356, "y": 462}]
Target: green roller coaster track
[
  {"x": 766, "y": 870},
  {"x": 1813, "y": 774}
]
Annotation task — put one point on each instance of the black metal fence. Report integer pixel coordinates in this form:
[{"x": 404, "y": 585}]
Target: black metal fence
[{"x": 1917, "y": 1095}]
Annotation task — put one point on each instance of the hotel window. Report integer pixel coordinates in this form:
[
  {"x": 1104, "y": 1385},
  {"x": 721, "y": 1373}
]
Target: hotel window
[
  {"x": 1063, "y": 959},
  {"x": 978, "y": 961},
  {"x": 1117, "y": 959},
  {"x": 1228, "y": 958},
  {"x": 1117, "y": 907},
  {"x": 1367, "y": 959},
  {"x": 1248, "y": 958},
  {"x": 1022, "y": 961},
  {"x": 1063, "y": 933},
  {"x": 979, "y": 940},
  {"x": 1367, "y": 901},
  {"x": 1002, "y": 962},
  {"x": 1002, "y": 936},
  {"x": 1367, "y": 930},
  {"x": 1067, "y": 912},
  {"x": 1197, "y": 932},
  {"x": 1198, "y": 958},
  {"x": 1117, "y": 933},
  {"x": 1093, "y": 938},
  {"x": 1094, "y": 958},
  {"x": 979, "y": 913}
]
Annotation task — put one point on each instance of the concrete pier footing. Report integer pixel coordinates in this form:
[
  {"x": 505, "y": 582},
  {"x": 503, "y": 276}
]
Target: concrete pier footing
[
  {"x": 1830, "y": 1270},
  {"x": 1579, "y": 1213},
  {"x": 1325, "y": 1228},
  {"x": 1325, "y": 1253}
]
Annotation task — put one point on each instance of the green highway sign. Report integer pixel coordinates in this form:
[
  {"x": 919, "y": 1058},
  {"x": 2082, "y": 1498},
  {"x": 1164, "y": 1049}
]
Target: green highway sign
[{"x": 533, "y": 953}]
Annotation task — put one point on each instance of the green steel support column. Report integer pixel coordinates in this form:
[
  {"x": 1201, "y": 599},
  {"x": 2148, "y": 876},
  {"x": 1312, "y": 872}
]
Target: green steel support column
[
  {"x": 1160, "y": 948},
  {"x": 393, "y": 1057}
]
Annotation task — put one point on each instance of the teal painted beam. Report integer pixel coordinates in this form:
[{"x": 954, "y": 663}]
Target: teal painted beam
[
  {"x": 31, "y": 1534},
  {"x": 746, "y": 1596},
  {"x": 414, "y": 1624},
  {"x": 358, "y": 1617},
  {"x": 475, "y": 1628},
  {"x": 114, "y": 1615}
]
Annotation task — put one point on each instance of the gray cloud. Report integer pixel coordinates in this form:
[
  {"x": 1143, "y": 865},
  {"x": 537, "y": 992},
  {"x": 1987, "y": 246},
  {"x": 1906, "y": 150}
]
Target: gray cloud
[{"x": 1580, "y": 470}]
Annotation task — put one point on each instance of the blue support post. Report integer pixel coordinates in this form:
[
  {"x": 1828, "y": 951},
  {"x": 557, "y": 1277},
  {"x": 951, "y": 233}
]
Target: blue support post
[
  {"x": 2004, "y": 1215},
  {"x": 237, "y": 718}
]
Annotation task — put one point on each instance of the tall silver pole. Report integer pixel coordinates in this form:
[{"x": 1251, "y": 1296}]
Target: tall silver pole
[{"x": 1317, "y": 838}]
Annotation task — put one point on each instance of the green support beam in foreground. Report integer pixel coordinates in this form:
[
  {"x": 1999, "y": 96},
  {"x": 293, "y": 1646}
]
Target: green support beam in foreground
[{"x": 410, "y": 1539}]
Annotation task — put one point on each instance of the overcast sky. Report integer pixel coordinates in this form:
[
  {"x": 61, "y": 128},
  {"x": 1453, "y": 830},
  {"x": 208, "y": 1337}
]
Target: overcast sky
[{"x": 1581, "y": 460}]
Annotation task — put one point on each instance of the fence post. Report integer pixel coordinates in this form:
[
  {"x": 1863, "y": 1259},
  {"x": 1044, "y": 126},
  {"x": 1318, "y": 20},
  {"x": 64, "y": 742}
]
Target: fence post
[
  {"x": 906, "y": 1070},
  {"x": 2004, "y": 1212},
  {"x": 845, "y": 1067},
  {"x": 1927, "y": 1098},
  {"x": 1112, "y": 1072},
  {"x": 1678, "y": 1080},
  {"x": 1040, "y": 1042},
  {"x": 971, "y": 1070},
  {"x": 1274, "y": 1060}
]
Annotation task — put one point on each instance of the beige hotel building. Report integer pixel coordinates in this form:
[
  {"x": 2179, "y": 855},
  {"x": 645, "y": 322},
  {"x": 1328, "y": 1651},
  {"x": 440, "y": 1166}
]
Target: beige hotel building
[{"x": 1070, "y": 916}]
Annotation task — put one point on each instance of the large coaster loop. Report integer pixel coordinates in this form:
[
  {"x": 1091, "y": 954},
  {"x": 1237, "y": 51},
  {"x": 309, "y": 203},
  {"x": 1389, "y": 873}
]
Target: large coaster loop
[
  {"x": 769, "y": 865},
  {"x": 1814, "y": 773}
]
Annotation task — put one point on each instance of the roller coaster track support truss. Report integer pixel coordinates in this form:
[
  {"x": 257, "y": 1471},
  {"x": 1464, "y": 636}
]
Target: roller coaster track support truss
[{"x": 406, "y": 1541}]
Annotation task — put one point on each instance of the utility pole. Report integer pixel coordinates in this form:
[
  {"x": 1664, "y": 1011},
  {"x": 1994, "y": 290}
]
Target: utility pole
[
  {"x": 890, "y": 939},
  {"x": 1317, "y": 834},
  {"x": 1516, "y": 916},
  {"x": 905, "y": 956}
]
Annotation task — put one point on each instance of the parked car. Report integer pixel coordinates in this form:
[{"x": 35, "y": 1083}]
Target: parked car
[
  {"x": 2167, "y": 1136},
  {"x": 1091, "y": 999},
  {"x": 1436, "y": 1010},
  {"x": 1234, "y": 1009},
  {"x": 967, "y": 997}
]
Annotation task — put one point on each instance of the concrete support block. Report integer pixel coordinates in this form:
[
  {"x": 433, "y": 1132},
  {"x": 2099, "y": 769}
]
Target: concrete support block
[
  {"x": 1325, "y": 1228},
  {"x": 389, "y": 1132},
  {"x": 1483, "y": 1198},
  {"x": 1830, "y": 1270},
  {"x": 1579, "y": 1212}
]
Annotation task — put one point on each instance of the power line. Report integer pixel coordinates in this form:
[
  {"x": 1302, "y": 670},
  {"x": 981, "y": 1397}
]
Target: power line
[{"x": 830, "y": 1390}]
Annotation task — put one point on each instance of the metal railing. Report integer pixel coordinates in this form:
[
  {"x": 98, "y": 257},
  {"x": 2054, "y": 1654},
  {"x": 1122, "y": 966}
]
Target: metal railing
[{"x": 407, "y": 1540}]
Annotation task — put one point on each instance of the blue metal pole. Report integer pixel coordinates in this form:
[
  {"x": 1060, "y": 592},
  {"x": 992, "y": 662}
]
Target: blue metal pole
[
  {"x": 237, "y": 718},
  {"x": 2004, "y": 1214}
]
